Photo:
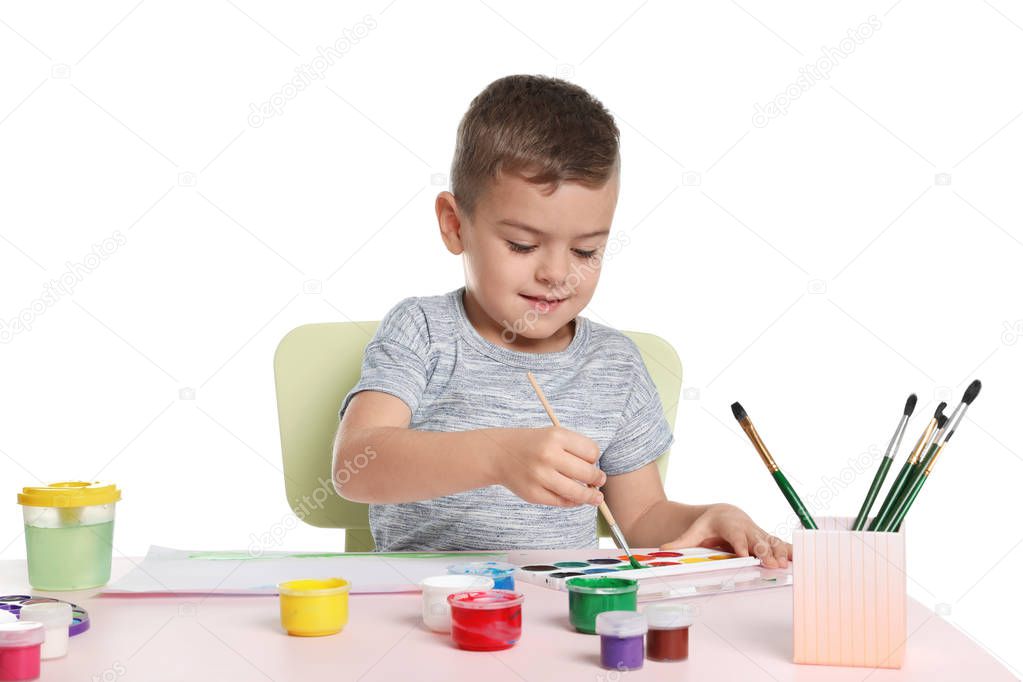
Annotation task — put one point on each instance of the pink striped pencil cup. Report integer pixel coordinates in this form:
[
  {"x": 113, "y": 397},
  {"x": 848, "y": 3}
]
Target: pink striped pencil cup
[{"x": 848, "y": 596}]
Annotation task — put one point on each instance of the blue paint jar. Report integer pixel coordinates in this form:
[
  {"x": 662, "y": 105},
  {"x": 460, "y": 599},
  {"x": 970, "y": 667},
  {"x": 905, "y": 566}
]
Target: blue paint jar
[{"x": 498, "y": 571}]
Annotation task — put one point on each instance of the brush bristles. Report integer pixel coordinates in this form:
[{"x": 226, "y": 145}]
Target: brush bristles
[
  {"x": 971, "y": 391},
  {"x": 941, "y": 408},
  {"x": 942, "y": 419},
  {"x": 910, "y": 405},
  {"x": 738, "y": 412}
]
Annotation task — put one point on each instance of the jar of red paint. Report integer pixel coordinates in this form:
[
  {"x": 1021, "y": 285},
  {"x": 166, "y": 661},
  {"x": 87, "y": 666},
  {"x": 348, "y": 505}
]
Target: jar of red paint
[
  {"x": 19, "y": 650},
  {"x": 668, "y": 637},
  {"x": 486, "y": 620}
]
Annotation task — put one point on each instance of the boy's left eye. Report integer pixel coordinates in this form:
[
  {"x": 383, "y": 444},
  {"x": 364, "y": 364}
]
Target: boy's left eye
[{"x": 528, "y": 248}]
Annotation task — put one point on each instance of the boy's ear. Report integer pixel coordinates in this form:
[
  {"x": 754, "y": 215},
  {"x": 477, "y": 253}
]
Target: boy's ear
[{"x": 449, "y": 218}]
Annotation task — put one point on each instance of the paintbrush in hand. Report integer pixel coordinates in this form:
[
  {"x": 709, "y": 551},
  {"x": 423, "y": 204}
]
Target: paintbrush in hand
[{"x": 616, "y": 532}]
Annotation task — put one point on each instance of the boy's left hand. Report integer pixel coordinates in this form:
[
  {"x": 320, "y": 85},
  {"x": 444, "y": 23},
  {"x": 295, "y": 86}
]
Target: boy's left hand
[{"x": 729, "y": 528}]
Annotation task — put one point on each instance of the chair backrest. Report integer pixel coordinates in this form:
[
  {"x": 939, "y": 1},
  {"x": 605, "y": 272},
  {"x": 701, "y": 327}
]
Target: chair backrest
[{"x": 317, "y": 364}]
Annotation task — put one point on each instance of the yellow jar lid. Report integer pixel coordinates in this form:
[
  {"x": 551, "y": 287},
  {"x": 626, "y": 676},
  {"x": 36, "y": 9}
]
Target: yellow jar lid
[{"x": 69, "y": 494}]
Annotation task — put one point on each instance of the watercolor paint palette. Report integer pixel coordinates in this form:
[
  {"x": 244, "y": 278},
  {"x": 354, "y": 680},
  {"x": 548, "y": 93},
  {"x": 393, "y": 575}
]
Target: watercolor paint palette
[
  {"x": 713, "y": 582},
  {"x": 654, "y": 565}
]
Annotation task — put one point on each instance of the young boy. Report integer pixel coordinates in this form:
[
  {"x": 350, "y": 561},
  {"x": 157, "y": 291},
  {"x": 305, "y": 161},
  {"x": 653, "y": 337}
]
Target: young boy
[{"x": 458, "y": 451}]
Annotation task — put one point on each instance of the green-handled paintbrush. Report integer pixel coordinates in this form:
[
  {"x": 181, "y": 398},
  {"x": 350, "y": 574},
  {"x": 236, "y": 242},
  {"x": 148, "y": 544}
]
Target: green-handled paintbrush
[
  {"x": 969, "y": 395},
  {"x": 909, "y": 467},
  {"x": 926, "y": 465},
  {"x": 786, "y": 488},
  {"x": 886, "y": 462}
]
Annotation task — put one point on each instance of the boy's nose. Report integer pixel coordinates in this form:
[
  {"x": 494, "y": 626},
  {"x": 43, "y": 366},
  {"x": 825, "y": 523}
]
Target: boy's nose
[{"x": 553, "y": 271}]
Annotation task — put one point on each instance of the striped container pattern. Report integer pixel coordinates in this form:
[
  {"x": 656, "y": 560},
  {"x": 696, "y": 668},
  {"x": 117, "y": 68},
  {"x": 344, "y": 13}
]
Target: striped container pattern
[{"x": 849, "y": 596}]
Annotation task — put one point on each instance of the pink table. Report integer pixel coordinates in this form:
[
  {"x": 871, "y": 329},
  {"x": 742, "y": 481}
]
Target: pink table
[{"x": 740, "y": 636}]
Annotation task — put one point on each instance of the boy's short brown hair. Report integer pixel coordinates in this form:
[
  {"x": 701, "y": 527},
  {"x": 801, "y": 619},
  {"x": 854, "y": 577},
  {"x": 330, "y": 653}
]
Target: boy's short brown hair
[{"x": 544, "y": 129}]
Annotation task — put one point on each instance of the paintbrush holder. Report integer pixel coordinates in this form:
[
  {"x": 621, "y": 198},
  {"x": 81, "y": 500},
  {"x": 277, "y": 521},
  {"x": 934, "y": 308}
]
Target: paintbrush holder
[{"x": 849, "y": 596}]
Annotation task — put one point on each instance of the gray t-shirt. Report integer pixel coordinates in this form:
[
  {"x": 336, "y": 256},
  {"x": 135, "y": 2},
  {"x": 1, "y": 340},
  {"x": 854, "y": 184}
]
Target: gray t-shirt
[{"x": 428, "y": 354}]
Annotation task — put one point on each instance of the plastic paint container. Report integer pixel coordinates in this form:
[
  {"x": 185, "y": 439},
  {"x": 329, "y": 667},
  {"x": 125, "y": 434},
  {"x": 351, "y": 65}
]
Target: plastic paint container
[
  {"x": 498, "y": 571},
  {"x": 668, "y": 638},
  {"x": 69, "y": 531},
  {"x": 589, "y": 596},
  {"x": 7, "y": 617},
  {"x": 486, "y": 621},
  {"x": 436, "y": 610},
  {"x": 313, "y": 608},
  {"x": 621, "y": 639},
  {"x": 11, "y": 605},
  {"x": 55, "y": 616},
  {"x": 19, "y": 650}
]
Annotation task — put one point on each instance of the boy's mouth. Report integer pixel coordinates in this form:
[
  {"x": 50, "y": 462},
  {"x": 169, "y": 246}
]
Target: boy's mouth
[{"x": 543, "y": 304}]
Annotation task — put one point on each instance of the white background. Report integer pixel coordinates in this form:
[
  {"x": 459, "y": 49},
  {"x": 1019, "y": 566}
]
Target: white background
[{"x": 864, "y": 245}]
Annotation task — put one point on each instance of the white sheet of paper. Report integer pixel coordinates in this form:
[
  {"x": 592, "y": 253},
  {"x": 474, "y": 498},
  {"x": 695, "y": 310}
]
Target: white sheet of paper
[{"x": 175, "y": 571}]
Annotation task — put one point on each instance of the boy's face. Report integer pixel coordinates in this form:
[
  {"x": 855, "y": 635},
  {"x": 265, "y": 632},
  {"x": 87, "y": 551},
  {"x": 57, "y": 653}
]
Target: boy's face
[{"x": 532, "y": 259}]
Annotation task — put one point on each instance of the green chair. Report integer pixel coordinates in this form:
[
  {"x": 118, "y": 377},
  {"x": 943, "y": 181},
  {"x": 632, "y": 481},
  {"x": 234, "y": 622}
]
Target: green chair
[{"x": 317, "y": 364}]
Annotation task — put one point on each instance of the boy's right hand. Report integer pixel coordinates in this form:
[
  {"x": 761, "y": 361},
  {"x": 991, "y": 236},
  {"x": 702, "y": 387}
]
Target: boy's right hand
[{"x": 552, "y": 466}]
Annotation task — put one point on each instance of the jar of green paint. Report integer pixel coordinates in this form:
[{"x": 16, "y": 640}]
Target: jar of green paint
[{"x": 589, "y": 596}]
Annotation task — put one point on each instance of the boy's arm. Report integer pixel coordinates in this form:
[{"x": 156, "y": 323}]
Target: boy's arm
[
  {"x": 642, "y": 510},
  {"x": 378, "y": 459},
  {"x": 649, "y": 519}
]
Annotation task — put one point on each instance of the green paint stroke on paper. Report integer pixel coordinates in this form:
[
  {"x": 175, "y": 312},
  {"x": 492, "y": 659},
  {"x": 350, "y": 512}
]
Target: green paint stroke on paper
[{"x": 240, "y": 555}]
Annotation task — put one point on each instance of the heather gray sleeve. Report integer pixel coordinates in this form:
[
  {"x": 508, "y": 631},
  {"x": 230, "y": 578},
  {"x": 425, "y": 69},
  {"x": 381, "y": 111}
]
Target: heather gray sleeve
[
  {"x": 396, "y": 359},
  {"x": 643, "y": 434}
]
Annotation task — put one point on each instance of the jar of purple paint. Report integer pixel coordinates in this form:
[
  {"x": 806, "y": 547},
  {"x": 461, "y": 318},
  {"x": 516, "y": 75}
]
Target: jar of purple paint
[{"x": 621, "y": 639}]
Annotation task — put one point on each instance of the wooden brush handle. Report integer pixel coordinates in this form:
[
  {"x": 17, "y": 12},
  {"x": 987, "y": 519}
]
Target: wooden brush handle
[
  {"x": 543, "y": 399},
  {"x": 604, "y": 509}
]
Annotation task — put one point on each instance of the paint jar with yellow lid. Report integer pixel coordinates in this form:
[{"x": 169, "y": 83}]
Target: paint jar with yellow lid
[
  {"x": 69, "y": 532},
  {"x": 314, "y": 607}
]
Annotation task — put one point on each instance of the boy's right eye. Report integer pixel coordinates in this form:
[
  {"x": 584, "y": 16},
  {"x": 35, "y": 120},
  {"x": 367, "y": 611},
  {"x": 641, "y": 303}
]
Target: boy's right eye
[{"x": 519, "y": 248}]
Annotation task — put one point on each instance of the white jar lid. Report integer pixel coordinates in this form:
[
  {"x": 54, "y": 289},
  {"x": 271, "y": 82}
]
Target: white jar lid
[
  {"x": 52, "y": 614},
  {"x": 466, "y": 582},
  {"x": 669, "y": 616},
  {"x": 20, "y": 634},
  {"x": 621, "y": 624}
]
